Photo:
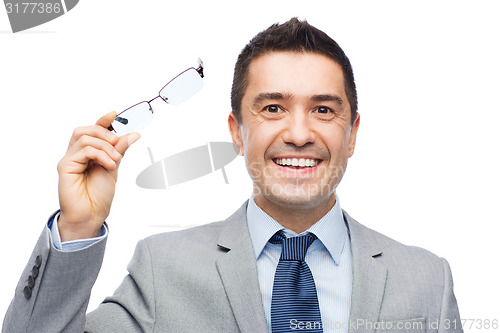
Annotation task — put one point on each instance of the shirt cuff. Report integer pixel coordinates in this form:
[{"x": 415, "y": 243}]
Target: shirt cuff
[{"x": 72, "y": 245}]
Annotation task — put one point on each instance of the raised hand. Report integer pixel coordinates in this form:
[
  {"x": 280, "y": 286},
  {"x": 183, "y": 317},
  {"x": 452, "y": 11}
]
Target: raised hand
[{"x": 87, "y": 178}]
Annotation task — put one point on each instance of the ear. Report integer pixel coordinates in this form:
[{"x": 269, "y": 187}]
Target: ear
[
  {"x": 353, "y": 134},
  {"x": 235, "y": 130}
]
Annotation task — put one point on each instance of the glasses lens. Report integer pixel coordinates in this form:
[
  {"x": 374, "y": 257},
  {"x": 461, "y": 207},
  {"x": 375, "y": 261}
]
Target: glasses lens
[
  {"x": 133, "y": 119},
  {"x": 182, "y": 87}
]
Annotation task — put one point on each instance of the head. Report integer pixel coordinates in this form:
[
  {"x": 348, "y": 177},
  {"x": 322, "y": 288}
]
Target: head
[
  {"x": 291, "y": 36},
  {"x": 293, "y": 118}
]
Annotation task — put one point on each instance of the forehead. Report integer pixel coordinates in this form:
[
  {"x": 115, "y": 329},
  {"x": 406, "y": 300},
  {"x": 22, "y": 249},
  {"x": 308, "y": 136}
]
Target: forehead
[{"x": 296, "y": 73}]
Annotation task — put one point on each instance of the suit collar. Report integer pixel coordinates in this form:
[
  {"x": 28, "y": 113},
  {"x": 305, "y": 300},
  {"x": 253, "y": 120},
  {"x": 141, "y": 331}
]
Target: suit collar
[
  {"x": 238, "y": 271},
  {"x": 369, "y": 276},
  {"x": 330, "y": 230}
]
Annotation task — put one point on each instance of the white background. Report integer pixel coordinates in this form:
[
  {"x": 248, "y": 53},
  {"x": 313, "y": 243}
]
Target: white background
[{"x": 425, "y": 171}]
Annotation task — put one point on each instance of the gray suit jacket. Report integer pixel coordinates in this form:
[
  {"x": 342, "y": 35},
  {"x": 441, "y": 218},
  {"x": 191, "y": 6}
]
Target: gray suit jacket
[{"x": 205, "y": 280}]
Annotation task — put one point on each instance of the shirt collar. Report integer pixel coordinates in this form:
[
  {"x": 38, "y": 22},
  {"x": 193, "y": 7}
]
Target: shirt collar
[{"x": 330, "y": 229}]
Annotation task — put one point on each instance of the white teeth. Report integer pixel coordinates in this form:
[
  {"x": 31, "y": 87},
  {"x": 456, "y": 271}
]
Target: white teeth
[{"x": 301, "y": 162}]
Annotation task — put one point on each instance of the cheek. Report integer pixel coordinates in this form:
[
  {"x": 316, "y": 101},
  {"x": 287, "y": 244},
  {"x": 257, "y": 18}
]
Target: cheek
[
  {"x": 255, "y": 148},
  {"x": 338, "y": 145},
  {"x": 258, "y": 139}
]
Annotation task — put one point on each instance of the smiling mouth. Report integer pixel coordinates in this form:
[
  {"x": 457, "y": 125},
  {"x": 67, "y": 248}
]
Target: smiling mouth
[{"x": 296, "y": 163}]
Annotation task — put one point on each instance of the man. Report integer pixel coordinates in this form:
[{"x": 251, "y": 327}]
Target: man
[{"x": 295, "y": 121}]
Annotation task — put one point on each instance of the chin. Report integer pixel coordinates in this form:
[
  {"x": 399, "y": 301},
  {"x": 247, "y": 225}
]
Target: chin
[{"x": 294, "y": 196}]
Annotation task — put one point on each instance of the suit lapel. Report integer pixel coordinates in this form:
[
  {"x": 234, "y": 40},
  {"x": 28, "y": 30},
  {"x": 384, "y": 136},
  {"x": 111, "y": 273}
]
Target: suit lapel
[
  {"x": 238, "y": 271},
  {"x": 369, "y": 277}
]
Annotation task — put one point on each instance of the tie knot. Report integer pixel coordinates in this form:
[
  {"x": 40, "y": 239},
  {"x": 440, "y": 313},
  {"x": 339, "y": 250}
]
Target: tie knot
[{"x": 294, "y": 248}]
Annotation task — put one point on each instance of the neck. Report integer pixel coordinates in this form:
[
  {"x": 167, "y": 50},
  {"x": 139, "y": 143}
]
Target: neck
[{"x": 296, "y": 217}]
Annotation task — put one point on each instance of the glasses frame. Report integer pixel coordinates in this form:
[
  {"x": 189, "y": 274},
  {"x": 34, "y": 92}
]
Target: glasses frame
[{"x": 199, "y": 69}]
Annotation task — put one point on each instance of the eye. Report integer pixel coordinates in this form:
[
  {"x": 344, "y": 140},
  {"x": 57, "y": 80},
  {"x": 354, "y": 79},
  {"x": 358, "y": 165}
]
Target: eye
[
  {"x": 273, "y": 108},
  {"x": 324, "y": 110}
]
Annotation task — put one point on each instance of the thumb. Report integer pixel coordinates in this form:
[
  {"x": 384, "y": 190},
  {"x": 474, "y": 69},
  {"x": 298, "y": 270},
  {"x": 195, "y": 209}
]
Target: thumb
[
  {"x": 124, "y": 142},
  {"x": 106, "y": 120}
]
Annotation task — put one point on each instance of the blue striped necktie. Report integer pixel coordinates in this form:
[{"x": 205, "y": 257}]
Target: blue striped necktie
[{"x": 294, "y": 298}]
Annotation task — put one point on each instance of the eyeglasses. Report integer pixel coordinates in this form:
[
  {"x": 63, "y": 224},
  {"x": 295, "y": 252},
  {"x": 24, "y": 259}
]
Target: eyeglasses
[{"x": 179, "y": 89}]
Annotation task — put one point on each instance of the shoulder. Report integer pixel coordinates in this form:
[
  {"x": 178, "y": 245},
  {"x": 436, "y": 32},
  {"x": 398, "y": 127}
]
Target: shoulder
[
  {"x": 201, "y": 237},
  {"x": 372, "y": 240},
  {"x": 205, "y": 239},
  {"x": 177, "y": 252},
  {"x": 393, "y": 254},
  {"x": 411, "y": 275}
]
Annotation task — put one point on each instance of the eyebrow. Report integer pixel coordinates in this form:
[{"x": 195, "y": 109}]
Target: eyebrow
[
  {"x": 327, "y": 98},
  {"x": 270, "y": 96}
]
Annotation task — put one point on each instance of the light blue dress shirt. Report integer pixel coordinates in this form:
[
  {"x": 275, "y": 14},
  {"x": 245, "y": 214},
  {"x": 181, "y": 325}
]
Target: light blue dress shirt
[
  {"x": 329, "y": 258},
  {"x": 74, "y": 244}
]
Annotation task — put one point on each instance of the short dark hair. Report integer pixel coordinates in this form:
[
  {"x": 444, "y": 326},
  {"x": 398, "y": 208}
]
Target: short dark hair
[{"x": 295, "y": 36}]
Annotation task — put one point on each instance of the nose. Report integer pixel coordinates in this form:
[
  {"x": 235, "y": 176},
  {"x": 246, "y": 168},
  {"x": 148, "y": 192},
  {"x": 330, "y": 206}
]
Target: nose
[{"x": 299, "y": 130}]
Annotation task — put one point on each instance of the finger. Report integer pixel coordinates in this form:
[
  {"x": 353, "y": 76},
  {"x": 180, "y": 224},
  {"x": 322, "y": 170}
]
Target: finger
[
  {"x": 124, "y": 142},
  {"x": 96, "y": 131},
  {"x": 106, "y": 120},
  {"x": 97, "y": 143},
  {"x": 79, "y": 162}
]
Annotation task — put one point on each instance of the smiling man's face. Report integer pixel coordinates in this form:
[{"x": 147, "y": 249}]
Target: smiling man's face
[{"x": 295, "y": 132}]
